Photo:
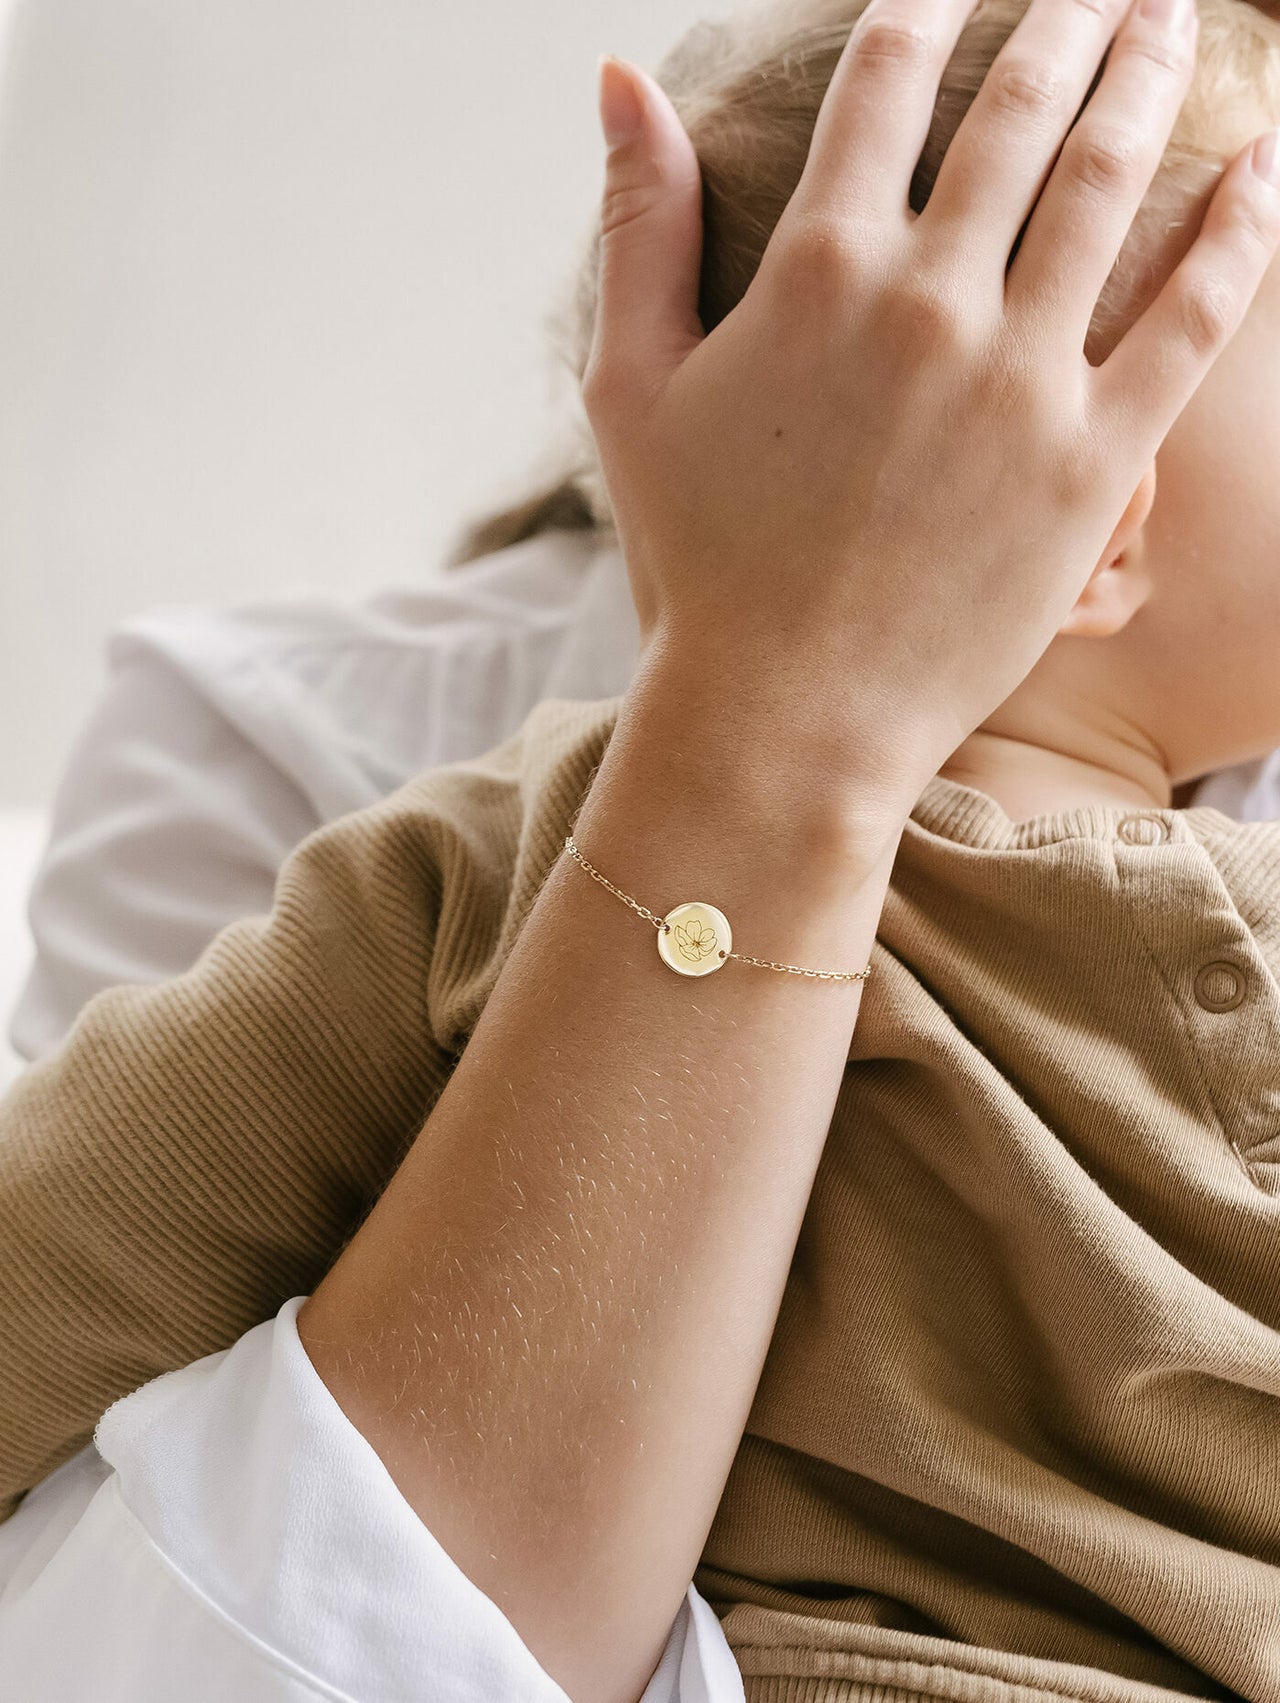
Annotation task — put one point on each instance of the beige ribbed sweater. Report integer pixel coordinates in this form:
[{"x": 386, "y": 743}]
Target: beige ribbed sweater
[{"x": 1018, "y": 1432}]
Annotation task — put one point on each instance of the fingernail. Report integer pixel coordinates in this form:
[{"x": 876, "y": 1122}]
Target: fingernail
[
  {"x": 1265, "y": 162},
  {"x": 621, "y": 113}
]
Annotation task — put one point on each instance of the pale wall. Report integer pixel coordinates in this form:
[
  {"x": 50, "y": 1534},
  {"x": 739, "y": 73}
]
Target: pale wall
[{"x": 272, "y": 280}]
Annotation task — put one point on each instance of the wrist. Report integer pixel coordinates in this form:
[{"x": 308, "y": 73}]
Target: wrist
[
  {"x": 779, "y": 757},
  {"x": 710, "y": 792}
]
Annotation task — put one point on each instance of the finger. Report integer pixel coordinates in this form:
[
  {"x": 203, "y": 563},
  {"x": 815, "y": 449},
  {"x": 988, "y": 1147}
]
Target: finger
[
  {"x": 1001, "y": 155},
  {"x": 650, "y": 230},
  {"x": 1080, "y": 223},
  {"x": 877, "y": 110},
  {"x": 1155, "y": 369}
]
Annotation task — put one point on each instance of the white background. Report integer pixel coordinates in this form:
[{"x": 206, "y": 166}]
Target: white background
[
  {"x": 273, "y": 280},
  {"x": 273, "y": 276}
]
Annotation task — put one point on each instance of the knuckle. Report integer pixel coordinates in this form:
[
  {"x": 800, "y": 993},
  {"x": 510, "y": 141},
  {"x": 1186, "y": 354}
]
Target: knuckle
[
  {"x": 821, "y": 255},
  {"x": 1024, "y": 89},
  {"x": 1076, "y": 472},
  {"x": 603, "y": 383},
  {"x": 1105, "y": 160},
  {"x": 1207, "y": 313},
  {"x": 893, "y": 43},
  {"x": 623, "y": 205},
  {"x": 923, "y": 312},
  {"x": 1163, "y": 51},
  {"x": 1003, "y": 384},
  {"x": 1171, "y": 51},
  {"x": 1255, "y": 223}
]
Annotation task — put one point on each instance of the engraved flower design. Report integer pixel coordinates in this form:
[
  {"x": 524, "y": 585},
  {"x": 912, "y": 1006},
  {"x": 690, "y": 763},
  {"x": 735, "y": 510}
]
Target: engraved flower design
[{"x": 696, "y": 939}]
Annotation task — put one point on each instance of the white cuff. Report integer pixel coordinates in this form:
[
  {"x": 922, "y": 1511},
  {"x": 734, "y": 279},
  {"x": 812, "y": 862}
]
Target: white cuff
[{"x": 257, "y": 1532}]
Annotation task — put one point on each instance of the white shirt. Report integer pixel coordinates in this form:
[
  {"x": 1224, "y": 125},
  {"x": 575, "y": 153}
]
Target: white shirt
[
  {"x": 225, "y": 737},
  {"x": 222, "y": 740},
  {"x": 234, "y": 1539}
]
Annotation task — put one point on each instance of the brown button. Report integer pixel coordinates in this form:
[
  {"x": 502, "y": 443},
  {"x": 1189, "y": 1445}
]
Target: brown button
[
  {"x": 1220, "y": 986},
  {"x": 1143, "y": 830}
]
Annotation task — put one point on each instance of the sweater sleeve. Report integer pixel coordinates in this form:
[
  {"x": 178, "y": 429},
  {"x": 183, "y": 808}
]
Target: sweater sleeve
[
  {"x": 168, "y": 824},
  {"x": 200, "y": 1151}
]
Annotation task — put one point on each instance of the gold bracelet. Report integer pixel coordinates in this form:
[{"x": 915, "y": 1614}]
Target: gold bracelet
[{"x": 695, "y": 938}]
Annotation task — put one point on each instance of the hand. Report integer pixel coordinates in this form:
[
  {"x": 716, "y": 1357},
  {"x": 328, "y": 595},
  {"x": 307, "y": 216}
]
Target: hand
[{"x": 874, "y": 492}]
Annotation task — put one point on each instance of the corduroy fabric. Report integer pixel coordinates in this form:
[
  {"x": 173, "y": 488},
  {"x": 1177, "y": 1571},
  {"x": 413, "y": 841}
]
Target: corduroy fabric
[
  {"x": 798, "y": 1658},
  {"x": 1017, "y": 1434}
]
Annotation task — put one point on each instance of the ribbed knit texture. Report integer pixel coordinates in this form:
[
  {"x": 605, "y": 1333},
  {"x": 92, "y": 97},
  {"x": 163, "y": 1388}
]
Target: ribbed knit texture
[{"x": 1017, "y": 1435}]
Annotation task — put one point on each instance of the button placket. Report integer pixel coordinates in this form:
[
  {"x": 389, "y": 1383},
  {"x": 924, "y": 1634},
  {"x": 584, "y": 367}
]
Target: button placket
[
  {"x": 1213, "y": 964},
  {"x": 1219, "y": 984}
]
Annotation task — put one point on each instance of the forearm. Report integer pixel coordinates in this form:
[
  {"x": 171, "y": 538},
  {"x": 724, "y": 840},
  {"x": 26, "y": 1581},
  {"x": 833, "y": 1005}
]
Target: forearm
[
  {"x": 552, "y": 1325},
  {"x": 198, "y": 1151}
]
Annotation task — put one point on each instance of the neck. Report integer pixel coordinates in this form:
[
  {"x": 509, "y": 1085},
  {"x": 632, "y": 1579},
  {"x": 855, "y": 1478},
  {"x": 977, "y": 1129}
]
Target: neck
[{"x": 1052, "y": 765}]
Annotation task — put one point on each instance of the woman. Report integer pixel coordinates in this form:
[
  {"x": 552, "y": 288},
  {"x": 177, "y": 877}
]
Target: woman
[
  {"x": 573, "y": 1463},
  {"x": 224, "y": 737}
]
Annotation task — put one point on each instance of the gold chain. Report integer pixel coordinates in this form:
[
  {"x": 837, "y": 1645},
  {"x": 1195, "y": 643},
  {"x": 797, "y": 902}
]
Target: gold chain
[
  {"x": 664, "y": 927},
  {"x": 591, "y": 869}
]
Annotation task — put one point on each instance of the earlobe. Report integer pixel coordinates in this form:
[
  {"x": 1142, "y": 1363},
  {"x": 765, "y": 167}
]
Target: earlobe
[
  {"x": 1109, "y": 602},
  {"x": 1119, "y": 585}
]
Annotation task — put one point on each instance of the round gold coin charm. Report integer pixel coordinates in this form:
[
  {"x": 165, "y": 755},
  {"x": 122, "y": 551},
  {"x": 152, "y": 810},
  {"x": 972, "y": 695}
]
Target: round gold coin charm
[{"x": 695, "y": 940}]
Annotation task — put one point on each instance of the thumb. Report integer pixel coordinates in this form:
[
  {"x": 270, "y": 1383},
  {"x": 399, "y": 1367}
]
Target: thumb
[{"x": 651, "y": 229}]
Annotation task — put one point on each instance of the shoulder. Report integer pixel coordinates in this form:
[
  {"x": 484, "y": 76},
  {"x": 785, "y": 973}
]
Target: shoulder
[
  {"x": 226, "y": 736},
  {"x": 520, "y": 790},
  {"x": 348, "y": 699}
]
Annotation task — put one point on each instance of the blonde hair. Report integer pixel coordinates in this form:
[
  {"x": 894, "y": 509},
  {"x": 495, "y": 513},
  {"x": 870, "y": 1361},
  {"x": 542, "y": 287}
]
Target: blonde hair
[{"x": 748, "y": 90}]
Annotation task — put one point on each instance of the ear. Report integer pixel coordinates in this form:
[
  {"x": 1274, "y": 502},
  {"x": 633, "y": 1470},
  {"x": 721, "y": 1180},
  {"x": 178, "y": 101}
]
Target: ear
[{"x": 1118, "y": 587}]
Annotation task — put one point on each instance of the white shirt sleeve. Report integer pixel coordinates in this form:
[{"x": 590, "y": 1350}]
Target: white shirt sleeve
[
  {"x": 1247, "y": 792},
  {"x": 234, "y": 1536},
  {"x": 224, "y": 737},
  {"x": 168, "y": 824}
]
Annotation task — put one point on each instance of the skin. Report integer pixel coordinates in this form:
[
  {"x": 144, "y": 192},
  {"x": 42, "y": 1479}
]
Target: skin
[
  {"x": 1125, "y": 706},
  {"x": 551, "y": 1325},
  {"x": 1166, "y": 668}
]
